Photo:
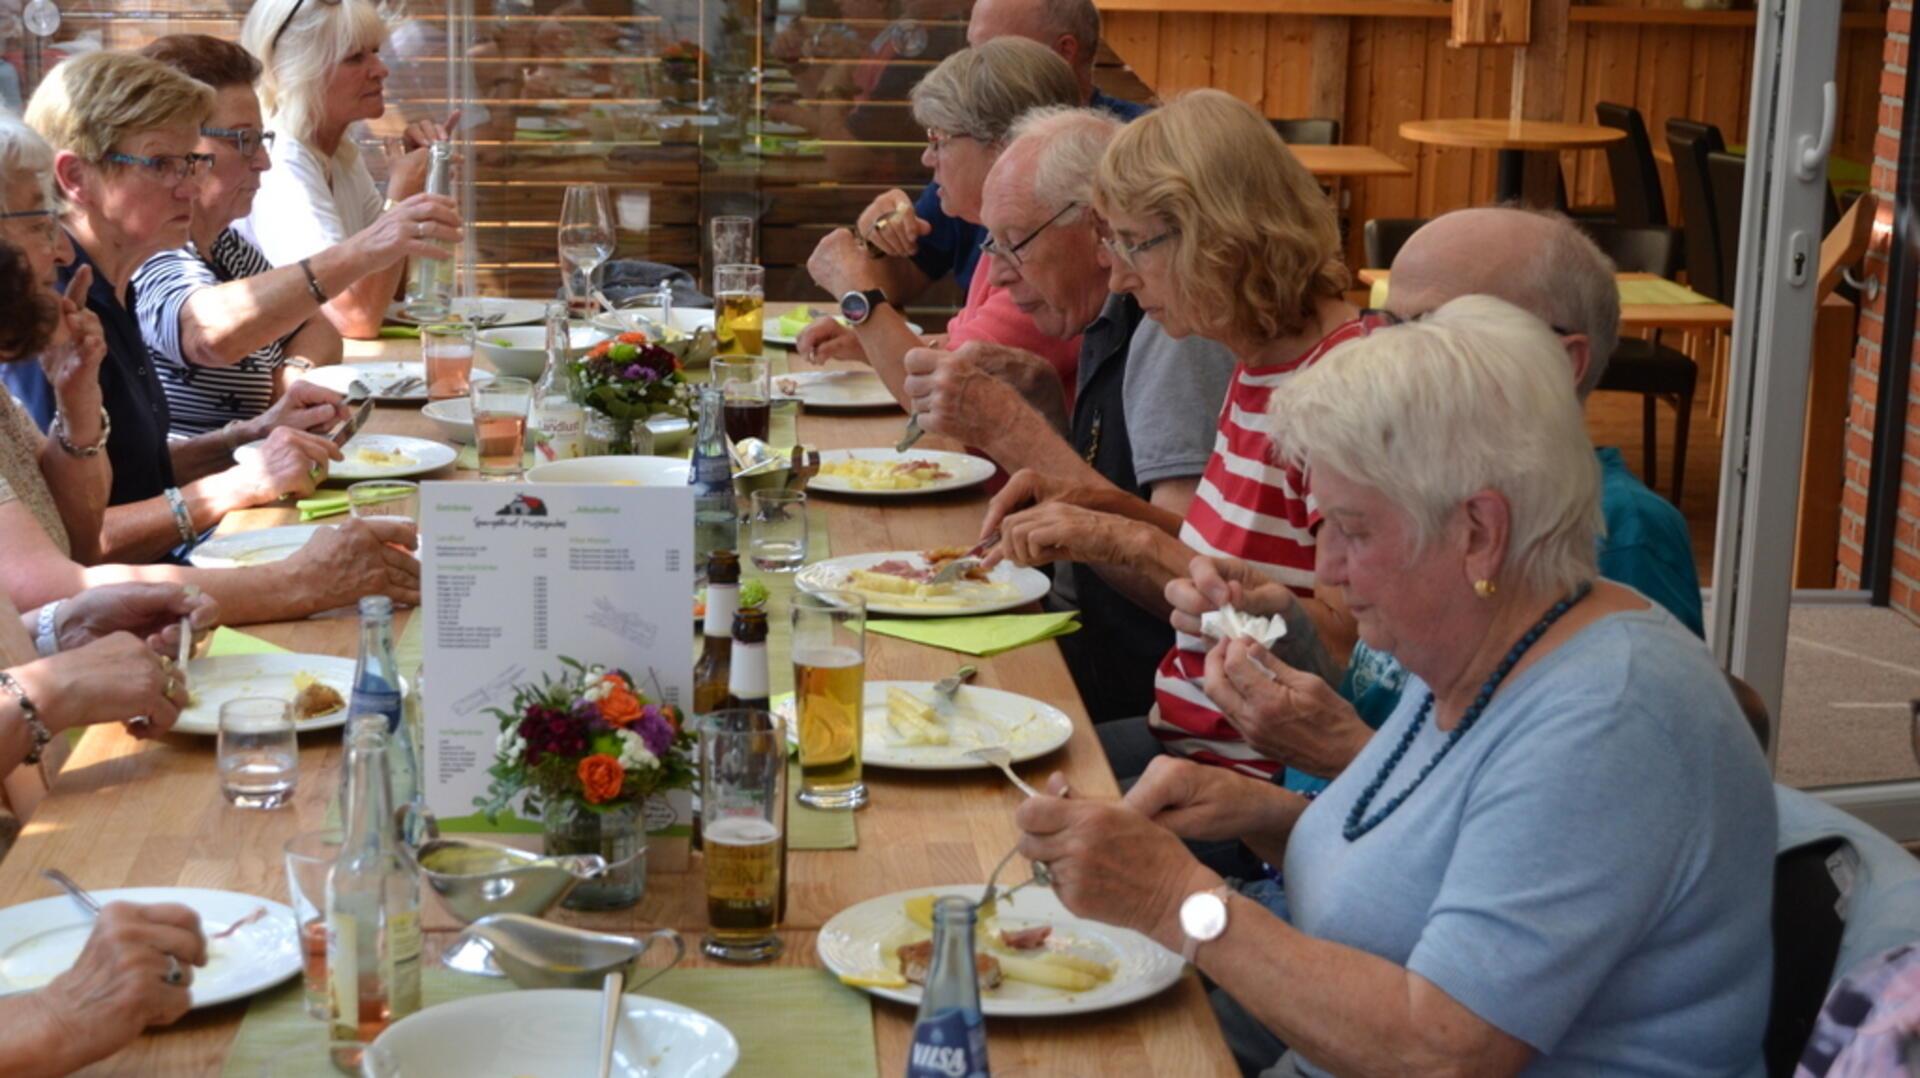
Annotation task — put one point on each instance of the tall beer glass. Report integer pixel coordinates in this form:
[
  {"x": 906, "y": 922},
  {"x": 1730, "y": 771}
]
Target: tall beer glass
[
  {"x": 743, "y": 819},
  {"x": 829, "y": 682}
]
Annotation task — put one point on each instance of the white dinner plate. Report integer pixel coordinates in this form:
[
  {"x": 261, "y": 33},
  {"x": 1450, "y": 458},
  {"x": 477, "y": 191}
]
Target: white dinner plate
[
  {"x": 510, "y": 312},
  {"x": 417, "y": 456},
  {"x": 252, "y": 548},
  {"x": 216, "y": 679},
  {"x": 40, "y": 940},
  {"x": 775, "y": 333},
  {"x": 633, "y": 471},
  {"x": 979, "y": 717},
  {"x": 963, "y": 470},
  {"x": 684, "y": 319},
  {"x": 380, "y": 376},
  {"x": 556, "y": 1031},
  {"x": 1008, "y": 586},
  {"x": 862, "y": 937},
  {"x": 832, "y": 389}
]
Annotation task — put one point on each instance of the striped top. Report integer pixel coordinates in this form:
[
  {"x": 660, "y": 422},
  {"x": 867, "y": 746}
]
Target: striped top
[
  {"x": 203, "y": 399},
  {"x": 1251, "y": 508}
]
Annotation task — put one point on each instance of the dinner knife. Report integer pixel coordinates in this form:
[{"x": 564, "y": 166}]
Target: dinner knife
[{"x": 344, "y": 431}]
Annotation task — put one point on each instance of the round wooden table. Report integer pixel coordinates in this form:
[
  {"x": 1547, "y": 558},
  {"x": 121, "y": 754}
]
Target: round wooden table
[{"x": 1514, "y": 139}]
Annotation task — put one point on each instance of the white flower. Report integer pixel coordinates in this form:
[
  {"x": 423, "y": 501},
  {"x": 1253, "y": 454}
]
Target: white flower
[
  {"x": 511, "y": 745},
  {"x": 634, "y": 755}
]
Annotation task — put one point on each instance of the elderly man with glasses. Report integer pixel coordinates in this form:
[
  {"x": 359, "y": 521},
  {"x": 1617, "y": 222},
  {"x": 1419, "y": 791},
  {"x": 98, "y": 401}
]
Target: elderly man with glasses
[{"x": 1142, "y": 420}]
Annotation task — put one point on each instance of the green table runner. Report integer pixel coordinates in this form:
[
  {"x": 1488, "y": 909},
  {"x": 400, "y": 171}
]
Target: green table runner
[
  {"x": 1659, "y": 291},
  {"x": 795, "y": 1023}
]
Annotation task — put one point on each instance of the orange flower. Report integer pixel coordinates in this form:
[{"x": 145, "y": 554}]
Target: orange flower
[
  {"x": 619, "y": 706},
  {"x": 602, "y": 776}
]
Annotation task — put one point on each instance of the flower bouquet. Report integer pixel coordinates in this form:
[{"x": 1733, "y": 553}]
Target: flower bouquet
[
  {"x": 627, "y": 379},
  {"x": 586, "y": 751}
]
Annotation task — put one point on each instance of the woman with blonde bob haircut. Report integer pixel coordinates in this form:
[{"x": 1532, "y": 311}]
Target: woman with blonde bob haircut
[
  {"x": 1555, "y": 856},
  {"x": 321, "y": 73},
  {"x": 1218, "y": 232}
]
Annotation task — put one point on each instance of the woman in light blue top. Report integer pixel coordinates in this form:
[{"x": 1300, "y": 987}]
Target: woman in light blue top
[{"x": 1556, "y": 855}]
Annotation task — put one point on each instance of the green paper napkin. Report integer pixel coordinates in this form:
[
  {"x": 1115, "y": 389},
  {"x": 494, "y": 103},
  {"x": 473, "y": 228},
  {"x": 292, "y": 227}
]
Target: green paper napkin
[
  {"x": 399, "y": 333},
  {"x": 225, "y": 641},
  {"x": 325, "y": 504},
  {"x": 982, "y": 636},
  {"x": 801, "y": 1023},
  {"x": 1659, "y": 292}
]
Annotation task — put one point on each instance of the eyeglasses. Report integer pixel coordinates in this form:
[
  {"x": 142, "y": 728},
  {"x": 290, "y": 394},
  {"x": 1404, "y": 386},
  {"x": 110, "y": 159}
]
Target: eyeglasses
[
  {"x": 939, "y": 141},
  {"x": 169, "y": 167},
  {"x": 1011, "y": 255},
  {"x": 247, "y": 140},
  {"x": 274, "y": 42},
  {"x": 46, "y": 222},
  {"x": 1126, "y": 253}
]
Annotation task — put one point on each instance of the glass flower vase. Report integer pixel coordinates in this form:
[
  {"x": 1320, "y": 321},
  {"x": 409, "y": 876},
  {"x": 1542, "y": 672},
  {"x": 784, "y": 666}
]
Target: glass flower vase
[{"x": 618, "y": 834}]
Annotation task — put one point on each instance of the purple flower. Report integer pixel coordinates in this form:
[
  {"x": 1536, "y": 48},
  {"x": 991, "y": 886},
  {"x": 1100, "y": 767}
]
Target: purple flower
[
  {"x": 654, "y": 730},
  {"x": 634, "y": 370}
]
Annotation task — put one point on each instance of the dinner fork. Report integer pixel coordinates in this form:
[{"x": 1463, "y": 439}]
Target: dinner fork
[
  {"x": 958, "y": 567},
  {"x": 79, "y": 894},
  {"x": 1041, "y": 876},
  {"x": 1000, "y": 757},
  {"x": 911, "y": 436}
]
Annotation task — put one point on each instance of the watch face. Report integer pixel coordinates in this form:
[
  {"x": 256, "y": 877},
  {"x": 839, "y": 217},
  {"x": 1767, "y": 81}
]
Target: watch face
[
  {"x": 1203, "y": 916},
  {"x": 856, "y": 307}
]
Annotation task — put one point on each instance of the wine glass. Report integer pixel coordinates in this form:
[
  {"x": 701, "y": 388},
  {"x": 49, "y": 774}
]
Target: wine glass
[{"x": 586, "y": 236}]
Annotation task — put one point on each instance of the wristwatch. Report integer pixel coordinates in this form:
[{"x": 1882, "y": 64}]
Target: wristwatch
[
  {"x": 1203, "y": 917},
  {"x": 857, "y": 307}
]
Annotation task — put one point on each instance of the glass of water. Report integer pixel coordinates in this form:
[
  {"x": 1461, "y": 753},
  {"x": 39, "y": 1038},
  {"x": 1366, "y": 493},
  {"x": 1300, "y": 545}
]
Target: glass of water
[
  {"x": 779, "y": 539},
  {"x": 259, "y": 756}
]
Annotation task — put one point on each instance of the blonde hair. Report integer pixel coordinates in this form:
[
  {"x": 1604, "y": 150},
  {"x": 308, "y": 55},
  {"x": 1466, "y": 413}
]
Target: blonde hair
[
  {"x": 1471, "y": 397},
  {"x": 981, "y": 91},
  {"x": 294, "y": 73},
  {"x": 88, "y": 104},
  {"x": 1258, "y": 243}
]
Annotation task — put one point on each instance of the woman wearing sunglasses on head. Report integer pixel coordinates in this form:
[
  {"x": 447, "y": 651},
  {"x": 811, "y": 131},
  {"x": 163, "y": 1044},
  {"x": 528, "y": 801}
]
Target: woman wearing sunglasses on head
[
  {"x": 322, "y": 73},
  {"x": 228, "y": 331}
]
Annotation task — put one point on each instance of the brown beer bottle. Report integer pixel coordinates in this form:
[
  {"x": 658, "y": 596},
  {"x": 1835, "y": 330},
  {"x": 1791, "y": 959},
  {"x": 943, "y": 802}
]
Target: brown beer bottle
[{"x": 747, "y": 674}]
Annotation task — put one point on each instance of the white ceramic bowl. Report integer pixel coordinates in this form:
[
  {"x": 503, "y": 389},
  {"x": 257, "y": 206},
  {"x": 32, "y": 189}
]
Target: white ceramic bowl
[
  {"x": 626, "y": 471},
  {"x": 453, "y": 417},
  {"x": 556, "y": 1031},
  {"x": 521, "y": 351}
]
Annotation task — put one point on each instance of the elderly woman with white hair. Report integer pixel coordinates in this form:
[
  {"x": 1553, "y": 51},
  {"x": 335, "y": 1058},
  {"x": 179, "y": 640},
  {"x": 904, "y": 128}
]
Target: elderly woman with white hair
[
  {"x": 321, "y": 74},
  {"x": 968, "y": 105},
  {"x": 1556, "y": 855}
]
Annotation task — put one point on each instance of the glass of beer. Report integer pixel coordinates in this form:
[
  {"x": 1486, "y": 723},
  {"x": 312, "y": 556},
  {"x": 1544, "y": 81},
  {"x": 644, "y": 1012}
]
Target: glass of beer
[
  {"x": 732, "y": 240},
  {"x": 500, "y": 426},
  {"x": 746, "y": 384},
  {"x": 743, "y": 822},
  {"x": 829, "y": 685},
  {"x": 740, "y": 299},
  {"x": 447, "y": 350}
]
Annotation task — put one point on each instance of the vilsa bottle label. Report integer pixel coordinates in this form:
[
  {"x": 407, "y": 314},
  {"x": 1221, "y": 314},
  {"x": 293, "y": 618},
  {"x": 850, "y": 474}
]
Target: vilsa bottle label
[{"x": 950, "y": 1044}]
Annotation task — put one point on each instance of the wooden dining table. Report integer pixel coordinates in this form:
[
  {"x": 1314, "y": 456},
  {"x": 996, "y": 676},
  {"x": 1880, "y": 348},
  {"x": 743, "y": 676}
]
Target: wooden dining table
[
  {"x": 130, "y": 813},
  {"x": 1513, "y": 139}
]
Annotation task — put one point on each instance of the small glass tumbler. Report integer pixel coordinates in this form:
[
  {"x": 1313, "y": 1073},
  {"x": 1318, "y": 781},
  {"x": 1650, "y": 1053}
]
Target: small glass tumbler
[
  {"x": 779, "y": 539},
  {"x": 446, "y": 351},
  {"x": 310, "y": 857},
  {"x": 259, "y": 754},
  {"x": 500, "y": 426}
]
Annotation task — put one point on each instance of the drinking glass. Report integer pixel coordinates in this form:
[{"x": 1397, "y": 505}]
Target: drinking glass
[
  {"x": 746, "y": 384},
  {"x": 385, "y": 499},
  {"x": 829, "y": 687},
  {"x": 259, "y": 756},
  {"x": 743, "y": 823},
  {"x": 586, "y": 238},
  {"x": 779, "y": 542},
  {"x": 447, "y": 350},
  {"x": 310, "y": 857},
  {"x": 732, "y": 240},
  {"x": 500, "y": 426},
  {"x": 740, "y": 299}
]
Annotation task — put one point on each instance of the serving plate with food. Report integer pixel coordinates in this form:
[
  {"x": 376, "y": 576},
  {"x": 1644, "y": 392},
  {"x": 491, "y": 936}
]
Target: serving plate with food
[
  {"x": 394, "y": 381},
  {"x": 1035, "y": 959},
  {"x": 318, "y": 687},
  {"x": 901, "y": 582},
  {"x": 253, "y": 548},
  {"x": 836, "y": 389},
  {"x": 390, "y": 456},
  {"x": 887, "y": 473},
  {"x": 905, "y": 727}
]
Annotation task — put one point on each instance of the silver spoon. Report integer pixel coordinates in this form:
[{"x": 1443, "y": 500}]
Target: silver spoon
[{"x": 609, "y": 1019}]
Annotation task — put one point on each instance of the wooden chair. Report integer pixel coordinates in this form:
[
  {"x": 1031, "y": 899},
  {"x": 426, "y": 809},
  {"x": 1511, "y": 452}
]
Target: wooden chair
[
  {"x": 1382, "y": 238},
  {"x": 1645, "y": 366}
]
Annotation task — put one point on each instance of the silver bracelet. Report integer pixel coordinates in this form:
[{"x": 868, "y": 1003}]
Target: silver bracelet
[
  {"x": 182, "y": 520},
  {"x": 59, "y": 431},
  {"x": 46, "y": 640},
  {"x": 41, "y": 735}
]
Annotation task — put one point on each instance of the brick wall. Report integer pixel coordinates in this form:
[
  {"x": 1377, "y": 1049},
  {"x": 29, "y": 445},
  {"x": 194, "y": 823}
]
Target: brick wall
[{"x": 1866, "y": 362}]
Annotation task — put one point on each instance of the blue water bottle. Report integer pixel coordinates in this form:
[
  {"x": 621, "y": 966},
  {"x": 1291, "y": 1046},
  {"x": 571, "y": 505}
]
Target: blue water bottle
[
  {"x": 950, "y": 1034},
  {"x": 715, "y": 514}
]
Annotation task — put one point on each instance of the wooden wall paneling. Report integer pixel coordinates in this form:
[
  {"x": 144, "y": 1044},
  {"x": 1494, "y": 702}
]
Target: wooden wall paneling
[
  {"x": 1612, "y": 74},
  {"x": 1134, "y": 36},
  {"x": 1494, "y": 92},
  {"x": 1293, "y": 68},
  {"x": 1186, "y": 52},
  {"x": 1359, "y": 127},
  {"x": 1445, "y": 179},
  {"x": 1859, "y": 79},
  {"x": 1400, "y": 48},
  {"x": 1491, "y": 22},
  {"x": 1332, "y": 41},
  {"x": 1539, "y": 82},
  {"x": 1240, "y": 58},
  {"x": 1661, "y": 92}
]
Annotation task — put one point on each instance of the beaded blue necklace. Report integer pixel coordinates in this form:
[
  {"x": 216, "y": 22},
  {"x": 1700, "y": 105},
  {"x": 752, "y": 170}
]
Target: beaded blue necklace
[{"x": 1357, "y": 822}]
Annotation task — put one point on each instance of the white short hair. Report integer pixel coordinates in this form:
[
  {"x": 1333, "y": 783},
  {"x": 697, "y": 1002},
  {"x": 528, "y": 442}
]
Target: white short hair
[
  {"x": 294, "y": 72},
  {"x": 1471, "y": 397},
  {"x": 24, "y": 152},
  {"x": 1067, "y": 146}
]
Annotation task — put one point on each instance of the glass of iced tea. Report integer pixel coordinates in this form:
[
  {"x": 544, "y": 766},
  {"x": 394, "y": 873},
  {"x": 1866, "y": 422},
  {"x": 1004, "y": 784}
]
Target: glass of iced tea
[
  {"x": 746, "y": 385},
  {"x": 743, "y": 823},
  {"x": 310, "y": 857},
  {"x": 829, "y": 686},
  {"x": 739, "y": 299},
  {"x": 446, "y": 348},
  {"x": 500, "y": 426}
]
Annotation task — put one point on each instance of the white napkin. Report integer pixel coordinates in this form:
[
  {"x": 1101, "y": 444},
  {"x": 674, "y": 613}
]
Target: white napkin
[{"x": 1227, "y": 623}]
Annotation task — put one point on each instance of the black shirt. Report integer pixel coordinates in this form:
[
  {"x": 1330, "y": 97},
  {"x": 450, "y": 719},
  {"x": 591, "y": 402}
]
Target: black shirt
[{"x": 131, "y": 390}]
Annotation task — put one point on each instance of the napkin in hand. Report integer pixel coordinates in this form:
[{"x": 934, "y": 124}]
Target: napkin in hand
[
  {"x": 323, "y": 504},
  {"x": 1227, "y": 623},
  {"x": 983, "y": 636}
]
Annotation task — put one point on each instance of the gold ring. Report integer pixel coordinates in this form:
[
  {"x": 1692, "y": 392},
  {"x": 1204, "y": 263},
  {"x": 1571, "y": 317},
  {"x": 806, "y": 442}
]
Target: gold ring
[{"x": 173, "y": 684}]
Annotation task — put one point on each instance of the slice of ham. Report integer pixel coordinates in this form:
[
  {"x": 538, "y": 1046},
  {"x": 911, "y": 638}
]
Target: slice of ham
[
  {"x": 1025, "y": 939},
  {"x": 916, "y": 963},
  {"x": 903, "y": 569}
]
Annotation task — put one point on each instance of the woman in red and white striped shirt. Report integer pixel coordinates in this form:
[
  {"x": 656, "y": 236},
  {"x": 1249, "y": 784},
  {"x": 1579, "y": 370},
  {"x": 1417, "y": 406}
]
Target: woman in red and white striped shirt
[{"x": 1217, "y": 231}]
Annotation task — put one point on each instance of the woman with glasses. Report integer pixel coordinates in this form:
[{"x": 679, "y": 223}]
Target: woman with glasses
[
  {"x": 322, "y": 73},
  {"x": 228, "y": 330},
  {"x": 968, "y": 105}
]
